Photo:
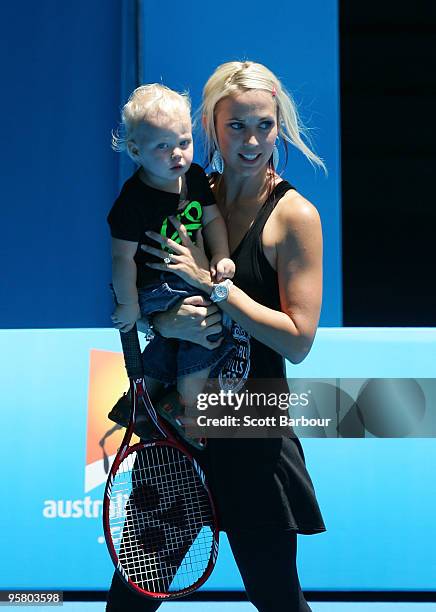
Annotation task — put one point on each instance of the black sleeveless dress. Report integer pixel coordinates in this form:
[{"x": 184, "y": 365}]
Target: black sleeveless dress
[{"x": 261, "y": 482}]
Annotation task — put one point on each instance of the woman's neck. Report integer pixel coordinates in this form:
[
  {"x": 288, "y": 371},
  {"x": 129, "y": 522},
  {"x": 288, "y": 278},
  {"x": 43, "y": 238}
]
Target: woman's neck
[
  {"x": 235, "y": 190},
  {"x": 243, "y": 187}
]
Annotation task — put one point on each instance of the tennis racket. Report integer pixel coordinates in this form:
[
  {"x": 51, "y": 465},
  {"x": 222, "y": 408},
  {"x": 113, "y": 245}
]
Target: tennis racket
[{"x": 158, "y": 516}]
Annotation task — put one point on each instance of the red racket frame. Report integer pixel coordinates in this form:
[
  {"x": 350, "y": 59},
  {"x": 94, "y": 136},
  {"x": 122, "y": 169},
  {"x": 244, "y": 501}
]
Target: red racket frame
[{"x": 138, "y": 391}]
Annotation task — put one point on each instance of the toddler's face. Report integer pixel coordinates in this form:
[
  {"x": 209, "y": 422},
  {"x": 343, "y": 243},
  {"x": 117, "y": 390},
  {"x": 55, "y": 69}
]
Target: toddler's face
[{"x": 164, "y": 147}]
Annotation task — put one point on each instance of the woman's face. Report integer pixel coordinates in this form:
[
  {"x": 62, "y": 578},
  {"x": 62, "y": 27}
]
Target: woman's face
[{"x": 246, "y": 127}]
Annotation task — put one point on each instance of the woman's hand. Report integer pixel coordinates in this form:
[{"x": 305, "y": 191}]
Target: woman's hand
[
  {"x": 192, "y": 319},
  {"x": 187, "y": 260}
]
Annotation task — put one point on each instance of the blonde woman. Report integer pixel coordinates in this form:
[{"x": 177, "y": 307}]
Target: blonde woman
[{"x": 263, "y": 491}]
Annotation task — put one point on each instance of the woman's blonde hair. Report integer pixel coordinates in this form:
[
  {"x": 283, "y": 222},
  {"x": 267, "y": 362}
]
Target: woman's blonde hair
[
  {"x": 233, "y": 77},
  {"x": 145, "y": 103}
]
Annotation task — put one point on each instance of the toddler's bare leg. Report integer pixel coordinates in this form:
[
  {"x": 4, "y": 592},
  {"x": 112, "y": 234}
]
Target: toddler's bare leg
[{"x": 191, "y": 385}]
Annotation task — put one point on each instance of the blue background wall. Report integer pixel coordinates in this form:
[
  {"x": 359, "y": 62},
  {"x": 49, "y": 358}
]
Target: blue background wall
[
  {"x": 66, "y": 71},
  {"x": 62, "y": 67}
]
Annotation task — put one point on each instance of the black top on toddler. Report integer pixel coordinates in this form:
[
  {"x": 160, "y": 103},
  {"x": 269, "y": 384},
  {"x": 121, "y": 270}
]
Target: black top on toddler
[{"x": 140, "y": 208}]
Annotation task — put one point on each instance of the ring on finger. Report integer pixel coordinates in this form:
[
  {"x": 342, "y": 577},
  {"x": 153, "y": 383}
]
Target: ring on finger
[{"x": 168, "y": 259}]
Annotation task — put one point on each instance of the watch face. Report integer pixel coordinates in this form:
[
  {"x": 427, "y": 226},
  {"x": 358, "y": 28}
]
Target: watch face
[{"x": 221, "y": 291}]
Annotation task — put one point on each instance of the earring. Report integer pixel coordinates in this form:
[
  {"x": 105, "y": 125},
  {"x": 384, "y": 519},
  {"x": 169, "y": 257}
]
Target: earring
[
  {"x": 275, "y": 156},
  {"x": 217, "y": 162}
]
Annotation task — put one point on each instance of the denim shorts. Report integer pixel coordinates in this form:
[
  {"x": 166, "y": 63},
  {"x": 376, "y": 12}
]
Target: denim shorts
[{"x": 167, "y": 359}]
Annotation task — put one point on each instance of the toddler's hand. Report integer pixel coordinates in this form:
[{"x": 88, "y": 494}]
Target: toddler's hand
[
  {"x": 221, "y": 269},
  {"x": 125, "y": 316}
]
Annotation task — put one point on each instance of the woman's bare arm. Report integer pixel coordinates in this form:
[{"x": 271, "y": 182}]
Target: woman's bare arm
[{"x": 299, "y": 272}]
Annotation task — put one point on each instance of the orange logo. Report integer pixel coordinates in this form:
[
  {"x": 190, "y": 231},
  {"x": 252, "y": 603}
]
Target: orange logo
[{"x": 107, "y": 382}]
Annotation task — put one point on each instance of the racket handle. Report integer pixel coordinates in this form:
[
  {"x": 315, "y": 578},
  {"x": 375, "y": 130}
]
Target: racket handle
[{"x": 132, "y": 353}]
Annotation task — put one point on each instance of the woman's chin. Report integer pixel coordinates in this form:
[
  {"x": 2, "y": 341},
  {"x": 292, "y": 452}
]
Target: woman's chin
[
  {"x": 245, "y": 169},
  {"x": 253, "y": 171}
]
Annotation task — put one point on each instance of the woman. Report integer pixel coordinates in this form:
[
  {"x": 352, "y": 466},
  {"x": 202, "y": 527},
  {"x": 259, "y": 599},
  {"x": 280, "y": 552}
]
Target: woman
[{"x": 263, "y": 492}]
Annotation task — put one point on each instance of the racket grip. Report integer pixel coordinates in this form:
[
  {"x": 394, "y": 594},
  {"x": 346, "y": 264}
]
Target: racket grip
[{"x": 132, "y": 353}]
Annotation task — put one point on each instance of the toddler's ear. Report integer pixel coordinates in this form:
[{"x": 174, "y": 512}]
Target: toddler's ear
[{"x": 132, "y": 150}]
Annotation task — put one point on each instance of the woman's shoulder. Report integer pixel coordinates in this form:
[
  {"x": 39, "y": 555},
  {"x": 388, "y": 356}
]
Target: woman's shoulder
[{"x": 293, "y": 209}]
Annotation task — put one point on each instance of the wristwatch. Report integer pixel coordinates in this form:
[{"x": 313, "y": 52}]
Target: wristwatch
[{"x": 220, "y": 291}]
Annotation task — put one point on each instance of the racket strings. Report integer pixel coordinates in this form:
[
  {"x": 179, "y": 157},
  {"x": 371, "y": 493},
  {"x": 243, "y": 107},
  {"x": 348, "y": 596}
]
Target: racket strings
[{"x": 161, "y": 520}]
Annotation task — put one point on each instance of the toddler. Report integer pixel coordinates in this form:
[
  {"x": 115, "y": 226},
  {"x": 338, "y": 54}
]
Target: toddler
[{"x": 157, "y": 135}]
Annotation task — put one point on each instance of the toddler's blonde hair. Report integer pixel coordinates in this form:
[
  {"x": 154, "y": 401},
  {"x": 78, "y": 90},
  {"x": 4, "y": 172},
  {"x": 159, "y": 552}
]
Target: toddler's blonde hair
[{"x": 145, "y": 103}]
